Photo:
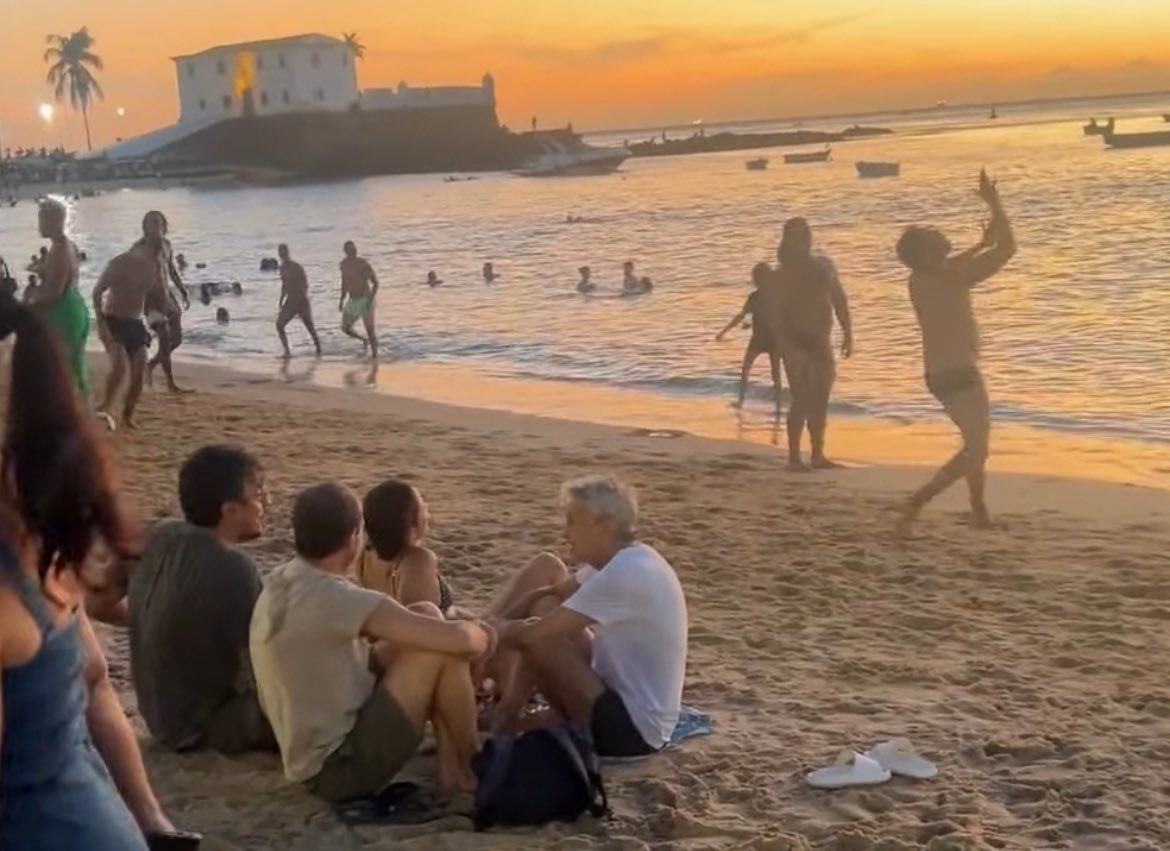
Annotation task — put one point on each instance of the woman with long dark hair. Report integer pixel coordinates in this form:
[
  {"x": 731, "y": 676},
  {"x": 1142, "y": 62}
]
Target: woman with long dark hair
[{"x": 58, "y": 498}]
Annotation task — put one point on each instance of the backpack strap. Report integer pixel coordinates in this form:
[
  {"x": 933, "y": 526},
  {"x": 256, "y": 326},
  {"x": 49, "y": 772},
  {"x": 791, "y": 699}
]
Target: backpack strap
[
  {"x": 593, "y": 785},
  {"x": 489, "y": 786}
]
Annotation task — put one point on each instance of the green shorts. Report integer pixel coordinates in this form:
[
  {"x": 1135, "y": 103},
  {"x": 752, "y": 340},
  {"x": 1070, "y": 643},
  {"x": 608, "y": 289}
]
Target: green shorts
[
  {"x": 356, "y": 307},
  {"x": 381, "y": 743}
]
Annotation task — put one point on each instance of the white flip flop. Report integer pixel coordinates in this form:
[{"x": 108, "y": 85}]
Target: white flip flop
[
  {"x": 899, "y": 757},
  {"x": 851, "y": 769}
]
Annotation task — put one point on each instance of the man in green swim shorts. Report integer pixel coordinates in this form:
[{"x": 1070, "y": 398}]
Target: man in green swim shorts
[
  {"x": 359, "y": 287},
  {"x": 57, "y": 299}
]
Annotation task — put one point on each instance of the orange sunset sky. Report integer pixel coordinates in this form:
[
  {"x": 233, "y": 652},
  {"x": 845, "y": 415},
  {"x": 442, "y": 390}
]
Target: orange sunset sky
[{"x": 616, "y": 63}]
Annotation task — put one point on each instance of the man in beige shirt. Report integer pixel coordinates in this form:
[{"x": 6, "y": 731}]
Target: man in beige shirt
[
  {"x": 940, "y": 290},
  {"x": 348, "y": 677}
]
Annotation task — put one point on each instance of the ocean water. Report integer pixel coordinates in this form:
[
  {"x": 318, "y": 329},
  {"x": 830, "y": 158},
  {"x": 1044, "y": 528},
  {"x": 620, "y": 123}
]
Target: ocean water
[{"x": 1075, "y": 329}]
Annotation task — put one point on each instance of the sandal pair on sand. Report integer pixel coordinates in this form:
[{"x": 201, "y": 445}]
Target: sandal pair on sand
[{"x": 875, "y": 766}]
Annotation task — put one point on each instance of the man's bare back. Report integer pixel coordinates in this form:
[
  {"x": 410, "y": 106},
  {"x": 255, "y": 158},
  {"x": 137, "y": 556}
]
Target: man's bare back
[
  {"x": 295, "y": 283},
  {"x": 59, "y": 273}
]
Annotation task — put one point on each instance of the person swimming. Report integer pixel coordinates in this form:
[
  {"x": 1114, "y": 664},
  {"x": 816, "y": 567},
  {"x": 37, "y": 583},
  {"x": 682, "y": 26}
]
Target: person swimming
[
  {"x": 489, "y": 273},
  {"x": 181, "y": 262},
  {"x": 222, "y": 316},
  {"x": 631, "y": 283},
  {"x": 433, "y": 280},
  {"x": 585, "y": 285}
]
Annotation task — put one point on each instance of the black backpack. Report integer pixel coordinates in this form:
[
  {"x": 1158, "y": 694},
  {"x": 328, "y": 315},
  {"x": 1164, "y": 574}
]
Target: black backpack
[{"x": 537, "y": 777}]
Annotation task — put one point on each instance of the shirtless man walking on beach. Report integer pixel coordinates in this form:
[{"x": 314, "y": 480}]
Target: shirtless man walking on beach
[
  {"x": 163, "y": 313},
  {"x": 940, "y": 290},
  {"x": 359, "y": 287},
  {"x": 799, "y": 308},
  {"x": 119, "y": 302},
  {"x": 294, "y": 299}
]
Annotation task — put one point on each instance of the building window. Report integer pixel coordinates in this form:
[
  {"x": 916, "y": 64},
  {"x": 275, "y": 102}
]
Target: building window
[
  {"x": 316, "y": 59},
  {"x": 202, "y": 104},
  {"x": 220, "y": 68},
  {"x": 320, "y": 94},
  {"x": 264, "y": 98},
  {"x": 190, "y": 69},
  {"x": 284, "y": 96},
  {"x": 280, "y": 59},
  {"x": 227, "y": 101}
]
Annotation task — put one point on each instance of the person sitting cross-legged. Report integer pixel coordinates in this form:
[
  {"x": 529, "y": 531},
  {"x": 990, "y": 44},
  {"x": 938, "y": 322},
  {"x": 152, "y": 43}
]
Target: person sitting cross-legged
[
  {"x": 607, "y": 647},
  {"x": 349, "y": 677}
]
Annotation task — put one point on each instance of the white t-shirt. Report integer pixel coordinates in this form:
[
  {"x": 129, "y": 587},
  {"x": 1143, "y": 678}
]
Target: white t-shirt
[
  {"x": 640, "y": 640},
  {"x": 310, "y": 661}
]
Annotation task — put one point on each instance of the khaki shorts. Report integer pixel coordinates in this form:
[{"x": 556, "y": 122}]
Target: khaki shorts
[{"x": 381, "y": 743}]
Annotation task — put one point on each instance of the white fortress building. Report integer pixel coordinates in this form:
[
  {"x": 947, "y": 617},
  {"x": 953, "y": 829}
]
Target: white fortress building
[
  {"x": 295, "y": 74},
  {"x": 299, "y": 73}
]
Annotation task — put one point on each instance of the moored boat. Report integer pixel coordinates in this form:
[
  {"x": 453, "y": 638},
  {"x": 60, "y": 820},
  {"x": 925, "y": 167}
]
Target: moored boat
[
  {"x": 563, "y": 157},
  {"x": 758, "y": 164},
  {"x": 809, "y": 156},
  {"x": 876, "y": 169},
  {"x": 1149, "y": 139}
]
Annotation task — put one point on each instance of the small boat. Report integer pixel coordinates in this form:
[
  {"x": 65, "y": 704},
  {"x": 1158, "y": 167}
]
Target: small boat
[
  {"x": 875, "y": 169},
  {"x": 1095, "y": 129},
  {"x": 1136, "y": 140},
  {"x": 758, "y": 164},
  {"x": 809, "y": 156},
  {"x": 569, "y": 155}
]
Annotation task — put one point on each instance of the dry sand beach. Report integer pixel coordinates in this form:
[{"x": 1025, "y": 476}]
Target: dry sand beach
[{"x": 1031, "y": 663}]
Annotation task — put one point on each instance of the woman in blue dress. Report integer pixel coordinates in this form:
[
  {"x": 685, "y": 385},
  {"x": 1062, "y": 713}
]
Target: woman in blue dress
[{"x": 57, "y": 499}]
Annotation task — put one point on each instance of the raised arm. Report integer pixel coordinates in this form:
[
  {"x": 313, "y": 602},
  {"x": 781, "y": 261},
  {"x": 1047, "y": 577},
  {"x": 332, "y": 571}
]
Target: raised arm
[
  {"x": 395, "y": 623},
  {"x": 972, "y": 269}
]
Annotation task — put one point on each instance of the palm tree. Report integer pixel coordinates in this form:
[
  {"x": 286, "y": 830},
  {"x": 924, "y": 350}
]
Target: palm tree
[
  {"x": 354, "y": 44},
  {"x": 73, "y": 63}
]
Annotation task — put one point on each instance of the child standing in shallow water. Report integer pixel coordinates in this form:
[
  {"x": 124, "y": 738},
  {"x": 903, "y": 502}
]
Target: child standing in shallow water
[{"x": 762, "y": 340}]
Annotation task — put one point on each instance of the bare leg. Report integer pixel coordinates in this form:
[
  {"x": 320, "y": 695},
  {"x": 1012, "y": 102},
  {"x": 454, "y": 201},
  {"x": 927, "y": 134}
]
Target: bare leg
[
  {"x": 137, "y": 372},
  {"x": 281, "y": 322},
  {"x": 371, "y": 334},
  {"x": 970, "y": 411},
  {"x": 544, "y": 570},
  {"x": 745, "y": 372},
  {"x": 307, "y": 319},
  {"x": 454, "y": 719},
  {"x": 566, "y": 677},
  {"x": 118, "y": 365},
  {"x": 824, "y": 376},
  {"x": 170, "y": 337},
  {"x": 777, "y": 381},
  {"x": 796, "y": 365},
  {"x": 347, "y": 327}
]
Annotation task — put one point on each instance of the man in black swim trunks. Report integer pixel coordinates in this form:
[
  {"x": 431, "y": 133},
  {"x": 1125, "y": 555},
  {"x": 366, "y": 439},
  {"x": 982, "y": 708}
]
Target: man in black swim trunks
[
  {"x": 119, "y": 301},
  {"x": 799, "y": 308},
  {"x": 294, "y": 299},
  {"x": 940, "y": 290}
]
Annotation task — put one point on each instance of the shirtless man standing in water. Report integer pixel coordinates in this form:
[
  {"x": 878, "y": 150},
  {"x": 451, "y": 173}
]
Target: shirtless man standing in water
[
  {"x": 800, "y": 308},
  {"x": 359, "y": 287},
  {"x": 119, "y": 302},
  {"x": 940, "y": 290},
  {"x": 294, "y": 299}
]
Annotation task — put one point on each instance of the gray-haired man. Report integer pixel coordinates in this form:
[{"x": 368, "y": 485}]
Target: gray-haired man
[{"x": 607, "y": 646}]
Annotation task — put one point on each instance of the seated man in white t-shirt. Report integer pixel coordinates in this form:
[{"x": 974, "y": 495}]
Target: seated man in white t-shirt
[
  {"x": 343, "y": 732},
  {"x": 607, "y": 647}
]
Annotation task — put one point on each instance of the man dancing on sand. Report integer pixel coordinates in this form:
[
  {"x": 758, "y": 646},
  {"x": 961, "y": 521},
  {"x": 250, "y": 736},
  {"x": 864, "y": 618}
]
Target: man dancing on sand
[
  {"x": 359, "y": 288},
  {"x": 163, "y": 313},
  {"x": 799, "y": 308},
  {"x": 940, "y": 290},
  {"x": 294, "y": 299},
  {"x": 57, "y": 299},
  {"x": 119, "y": 302}
]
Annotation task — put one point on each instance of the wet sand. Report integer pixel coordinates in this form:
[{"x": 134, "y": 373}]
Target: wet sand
[{"x": 1031, "y": 662}]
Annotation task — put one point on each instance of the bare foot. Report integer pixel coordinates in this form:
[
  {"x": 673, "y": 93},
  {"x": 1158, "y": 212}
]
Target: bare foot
[
  {"x": 823, "y": 463},
  {"x": 797, "y": 466},
  {"x": 737, "y": 405},
  {"x": 150, "y": 374},
  {"x": 107, "y": 420},
  {"x": 981, "y": 519},
  {"x": 128, "y": 421},
  {"x": 177, "y": 390},
  {"x": 904, "y": 528}
]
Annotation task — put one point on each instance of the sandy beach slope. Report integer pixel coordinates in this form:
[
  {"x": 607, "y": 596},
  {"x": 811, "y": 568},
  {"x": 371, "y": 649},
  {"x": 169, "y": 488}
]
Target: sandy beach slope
[{"x": 1031, "y": 663}]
